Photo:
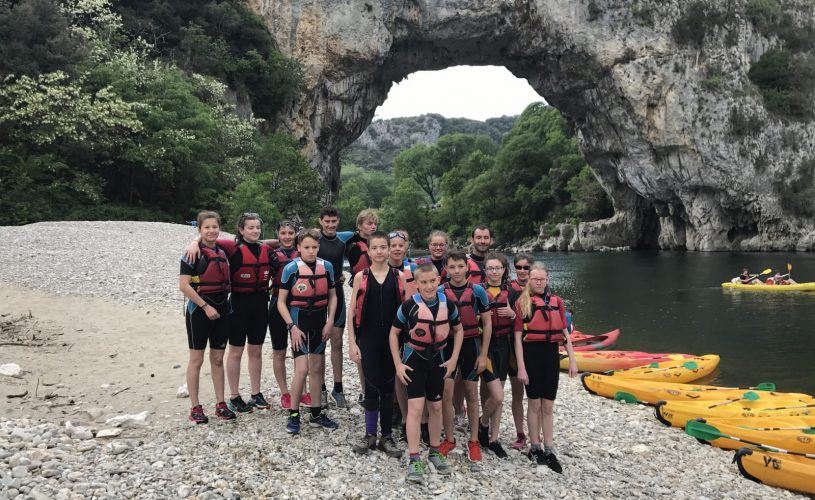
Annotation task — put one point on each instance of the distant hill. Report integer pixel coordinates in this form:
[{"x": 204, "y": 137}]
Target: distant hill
[{"x": 384, "y": 139}]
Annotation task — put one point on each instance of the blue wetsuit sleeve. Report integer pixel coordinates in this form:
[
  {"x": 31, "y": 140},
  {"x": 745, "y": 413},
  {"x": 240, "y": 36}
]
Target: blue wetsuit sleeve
[
  {"x": 483, "y": 299},
  {"x": 186, "y": 267},
  {"x": 401, "y": 319},
  {"x": 345, "y": 235},
  {"x": 329, "y": 270},
  {"x": 288, "y": 277}
]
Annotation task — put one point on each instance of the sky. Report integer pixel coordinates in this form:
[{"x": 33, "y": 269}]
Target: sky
[{"x": 476, "y": 92}]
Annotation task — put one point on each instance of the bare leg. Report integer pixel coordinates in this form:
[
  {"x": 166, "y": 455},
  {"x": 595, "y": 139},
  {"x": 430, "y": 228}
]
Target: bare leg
[
  {"x": 434, "y": 423},
  {"x": 336, "y": 355},
  {"x": 448, "y": 413},
  {"x": 233, "y": 368},
  {"x": 548, "y": 407},
  {"x": 534, "y": 417},
  {"x": 471, "y": 395},
  {"x": 298, "y": 381},
  {"x": 194, "y": 374},
  {"x": 416, "y": 407},
  {"x": 216, "y": 362},
  {"x": 494, "y": 407},
  {"x": 279, "y": 368},
  {"x": 255, "y": 361},
  {"x": 316, "y": 369},
  {"x": 517, "y": 403}
]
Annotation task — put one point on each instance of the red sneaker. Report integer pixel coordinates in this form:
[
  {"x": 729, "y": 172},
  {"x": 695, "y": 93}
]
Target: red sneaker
[
  {"x": 223, "y": 412},
  {"x": 474, "y": 451},
  {"x": 285, "y": 401},
  {"x": 447, "y": 446}
]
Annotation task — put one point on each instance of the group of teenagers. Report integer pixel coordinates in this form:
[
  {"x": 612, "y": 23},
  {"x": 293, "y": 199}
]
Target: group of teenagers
[{"x": 434, "y": 339}]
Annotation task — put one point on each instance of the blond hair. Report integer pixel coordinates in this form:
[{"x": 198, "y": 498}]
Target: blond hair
[
  {"x": 525, "y": 300},
  {"x": 367, "y": 214}
]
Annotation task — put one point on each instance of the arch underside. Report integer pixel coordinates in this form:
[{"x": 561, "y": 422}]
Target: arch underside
[{"x": 658, "y": 140}]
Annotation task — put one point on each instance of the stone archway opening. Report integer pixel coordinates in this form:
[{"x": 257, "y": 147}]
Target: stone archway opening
[{"x": 659, "y": 140}]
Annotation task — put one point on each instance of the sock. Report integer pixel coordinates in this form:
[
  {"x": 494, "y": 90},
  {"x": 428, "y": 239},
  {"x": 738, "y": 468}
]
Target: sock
[
  {"x": 521, "y": 435},
  {"x": 535, "y": 447},
  {"x": 294, "y": 413},
  {"x": 255, "y": 395},
  {"x": 434, "y": 449},
  {"x": 337, "y": 386},
  {"x": 371, "y": 416},
  {"x": 415, "y": 456},
  {"x": 549, "y": 449},
  {"x": 323, "y": 389},
  {"x": 315, "y": 411}
]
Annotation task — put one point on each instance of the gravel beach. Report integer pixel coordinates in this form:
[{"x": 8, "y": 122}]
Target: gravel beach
[{"x": 92, "y": 314}]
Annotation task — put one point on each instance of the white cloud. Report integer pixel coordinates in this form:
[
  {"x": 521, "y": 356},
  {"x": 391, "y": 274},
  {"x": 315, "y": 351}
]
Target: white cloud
[{"x": 477, "y": 92}]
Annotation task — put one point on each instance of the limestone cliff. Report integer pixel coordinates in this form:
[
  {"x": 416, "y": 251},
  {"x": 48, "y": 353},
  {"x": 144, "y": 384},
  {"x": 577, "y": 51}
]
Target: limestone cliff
[{"x": 656, "y": 130}]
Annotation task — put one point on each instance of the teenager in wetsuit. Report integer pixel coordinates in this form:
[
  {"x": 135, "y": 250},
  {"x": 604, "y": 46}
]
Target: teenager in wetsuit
[
  {"x": 428, "y": 322},
  {"x": 540, "y": 327},
  {"x": 205, "y": 284},
  {"x": 307, "y": 303},
  {"x": 523, "y": 264},
  {"x": 286, "y": 252},
  {"x": 377, "y": 294}
]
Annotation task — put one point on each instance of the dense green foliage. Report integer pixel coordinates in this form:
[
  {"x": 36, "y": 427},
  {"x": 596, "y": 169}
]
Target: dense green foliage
[
  {"x": 797, "y": 189},
  {"x": 535, "y": 175},
  {"x": 786, "y": 81},
  {"x": 381, "y": 142},
  {"x": 92, "y": 126}
]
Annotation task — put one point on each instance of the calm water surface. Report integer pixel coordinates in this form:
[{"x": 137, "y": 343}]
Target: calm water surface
[{"x": 673, "y": 302}]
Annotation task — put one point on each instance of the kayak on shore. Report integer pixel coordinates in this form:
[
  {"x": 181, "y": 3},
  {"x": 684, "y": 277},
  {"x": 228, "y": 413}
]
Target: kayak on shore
[
  {"x": 791, "y": 472},
  {"x": 675, "y": 370},
  {"x": 763, "y": 287},
  {"x": 585, "y": 342},
  {"x": 678, "y": 413},
  {"x": 794, "y": 434},
  {"x": 603, "y": 361},
  {"x": 651, "y": 392}
]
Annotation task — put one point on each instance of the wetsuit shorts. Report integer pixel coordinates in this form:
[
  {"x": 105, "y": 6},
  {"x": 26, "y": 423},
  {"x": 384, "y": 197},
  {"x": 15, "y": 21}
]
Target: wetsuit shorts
[
  {"x": 277, "y": 327},
  {"x": 200, "y": 329},
  {"x": 339, "y": 316},
  {"x": 498, "y": 356},
  {"x": 542, "y": 364},
  {"x": 247, "y": 323},
  {"x": 427, "y": 377},
  {"x": 311, "y": 323}
]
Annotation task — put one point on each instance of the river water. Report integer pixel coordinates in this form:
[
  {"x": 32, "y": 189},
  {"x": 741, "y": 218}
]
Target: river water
[{"x": 673, "y": 302}]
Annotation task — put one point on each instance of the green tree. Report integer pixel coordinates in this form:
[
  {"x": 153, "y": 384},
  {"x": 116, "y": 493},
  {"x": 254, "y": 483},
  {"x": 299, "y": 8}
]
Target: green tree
[
  {"x": 420, "y": 164},
  {"x": 407, "y": 207}
]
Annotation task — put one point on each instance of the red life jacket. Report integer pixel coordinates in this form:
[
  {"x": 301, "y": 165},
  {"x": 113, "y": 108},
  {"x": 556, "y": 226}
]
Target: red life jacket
[
  {"x": 215, "y": 277},
  {"x": 770, "y": 281},
  {"x": 475, "y": 274},
  {"x": 501, "y": 325},
  {"x": 429, "y": 332},
  {"x": 254, "y": 273},
  {"x": 466, "y": 309},
  {"x": 282, "y": 261},
  {"x": 516, "y": 286},
  {"x": 546, "y": 324},
  {"x": 363, "y": 290},
  {"x": 364, "y": 259},
  {"x": 310, "y": 289}
]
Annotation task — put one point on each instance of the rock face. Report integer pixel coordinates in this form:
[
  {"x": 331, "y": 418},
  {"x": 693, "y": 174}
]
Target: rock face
[{"x": 658, "y": 133}]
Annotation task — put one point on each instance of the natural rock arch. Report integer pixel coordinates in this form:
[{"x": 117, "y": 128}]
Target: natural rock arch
[{"x": 658, "y": 139}]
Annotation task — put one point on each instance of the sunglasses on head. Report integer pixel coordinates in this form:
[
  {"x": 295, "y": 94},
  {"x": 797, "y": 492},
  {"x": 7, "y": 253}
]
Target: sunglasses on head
[
  {"x": 397, "y": 234},
  {"x": 522, "y": 268}
]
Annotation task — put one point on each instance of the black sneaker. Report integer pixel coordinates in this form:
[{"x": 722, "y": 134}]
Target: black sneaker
[
  {"x": 496, "y": 448},
  {"x": 388, "y": 445},
  {"x": 258, "y": 401},
  {"x": 237, "y": 404},
  {"x": 365, "y": 444},
  {"x": 535, "y": 455},
  {"x": 549, "y": 459},
  {"x": 483, "y": 435}
]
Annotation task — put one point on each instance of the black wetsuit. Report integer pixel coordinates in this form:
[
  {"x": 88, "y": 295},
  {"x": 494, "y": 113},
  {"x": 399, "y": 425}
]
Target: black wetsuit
[{"x": 332, "y": 249}]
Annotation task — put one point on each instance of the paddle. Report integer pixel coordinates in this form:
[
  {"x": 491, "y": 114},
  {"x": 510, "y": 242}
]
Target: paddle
[
  {"x": 748, "y": 396},
  {"x": 789, "y": 270},
  {"x": 763, "y": 386},
  {"x": 706, "y": 432},
  {"x": 762, "y": 273},
  {"x": 690, "y": 365}
]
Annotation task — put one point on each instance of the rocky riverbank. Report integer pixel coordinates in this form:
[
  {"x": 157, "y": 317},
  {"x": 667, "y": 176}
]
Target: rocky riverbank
[{"x": 98, "y": 334}]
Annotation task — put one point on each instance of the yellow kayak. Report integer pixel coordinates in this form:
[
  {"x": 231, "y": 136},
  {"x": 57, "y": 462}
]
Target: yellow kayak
[
  {"x": 677, "y": 413},
  {"x": 676, "y": 370},
  {"x": 763, "y": 287},
  {"x": 791, "y": 472},
  {"x": 795, "y": 434},
  {"x": 651, "y": 392}
]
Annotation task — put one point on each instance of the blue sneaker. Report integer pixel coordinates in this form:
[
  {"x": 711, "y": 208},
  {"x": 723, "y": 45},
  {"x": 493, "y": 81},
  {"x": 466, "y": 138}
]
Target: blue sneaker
[
  {"x": 323, "y": 421},
  {"x": 293, "y": 424}
]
